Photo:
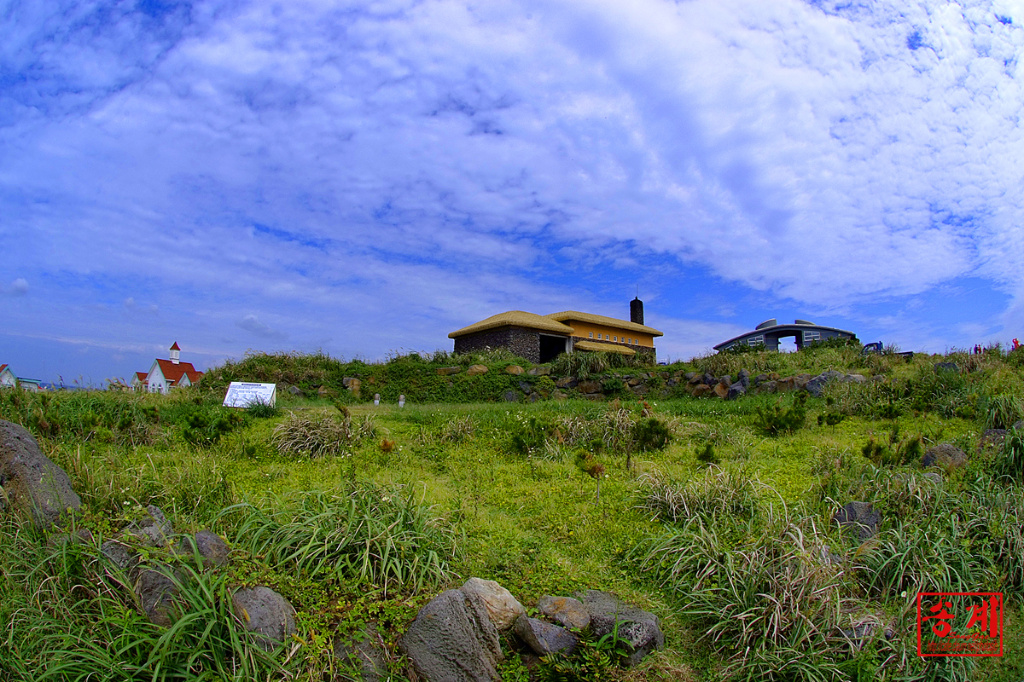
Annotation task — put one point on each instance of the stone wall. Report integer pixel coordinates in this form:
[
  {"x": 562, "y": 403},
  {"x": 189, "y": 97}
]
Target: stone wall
[{"x": 521, "y": 341}]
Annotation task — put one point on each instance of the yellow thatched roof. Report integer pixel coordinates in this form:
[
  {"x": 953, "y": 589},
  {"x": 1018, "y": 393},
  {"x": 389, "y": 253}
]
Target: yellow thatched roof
[
  {"x": 515, "y": 318},
  {"x": 604, "y": 321},
  {"x": 604, "y": 347}
]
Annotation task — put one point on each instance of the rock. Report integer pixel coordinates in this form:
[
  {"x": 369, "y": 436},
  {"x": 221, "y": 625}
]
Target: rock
[
  {"x": 639, "y": 390},
  {"x": 864, "y": 627},
  {"x": 744, "y": 379},
  {"x": 588, "y": 387},
  {"x": 735, "y": 391},
  {"x": 768, "y": 387},
  {"x": 992, "y": 439},
  {"x": 544, "y": 638},
  {"x": 448, "y": 371},
  {"x": 33, "y": 485},
  {"x": 760, "y": 379},
  {"x": 1018, "y": 426},
  {"x": 510, "y": 396},
  {"x": 638, "y": 629},
  {"x": 514, "y": 370},
  {"x": 476, "y": 370},
  {"x": 119, "y": 555},
  {"x": 295, "y": 390},
  {"x": 525, "y": 387},
  {"x": 265, "y": 613},
  {"x": 800, "y": 380},
  {"x": 566, "y": 382},
  {"x": 785, "y": 385},
  {"x": 708, "y": 379},
  {"x": 944, "y": 455},
  {"x": 153, "y": 530},
  {"x": 701, "y": 390},
  {"x": 453, "y": 639},
  {"x": 156, "y": 591},
  {"x": 365, "y": 653},
  {"x": 81, "y": 536},
  {"x": 566, "y": 610},
  {"x": 860, "y": 516},
  {"x": 539, "y": 371},
  {"x": 502, "y": 607},
  {"x": 555, "y": 395},
  {"x": 695, "y": 379},
  {"x": 816, "y": 386},
  {"x": 689, "y": 376},
  {"x": 946, "y": 367},
  {"x": 212, "y": 548},
  {"x": 722, "y": 389},
  {"x": 855, "y": 378},
  {"x": 933, "y": 476}
]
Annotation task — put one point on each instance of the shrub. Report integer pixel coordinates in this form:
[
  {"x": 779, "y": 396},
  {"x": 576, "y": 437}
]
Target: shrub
[
  {"x": 319, "y": 435},
  {"x": 651, "y": 434},
  {"x": 776, "y": 419}
]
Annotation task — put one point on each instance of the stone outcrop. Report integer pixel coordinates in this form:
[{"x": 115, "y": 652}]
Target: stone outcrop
[
  {"x": 544, "y": 638},
  {"x": 502, "y": 607},
  {"x": 266, "y": 613},
  {"x": 565, "y": 610},
  {"x": 638, "y": 629},
  {"x": 944, "y": 455},
  {"x": 453, "y": 639},
  {"x": 861, "y": 517},
  {"x": 32, "y": 484}
]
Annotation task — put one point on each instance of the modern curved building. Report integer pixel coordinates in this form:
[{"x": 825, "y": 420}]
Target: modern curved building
[{"x": 769, "y": 332}]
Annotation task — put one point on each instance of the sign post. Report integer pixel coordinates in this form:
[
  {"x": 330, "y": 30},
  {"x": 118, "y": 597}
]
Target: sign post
[{"x": 244, "y": 394}]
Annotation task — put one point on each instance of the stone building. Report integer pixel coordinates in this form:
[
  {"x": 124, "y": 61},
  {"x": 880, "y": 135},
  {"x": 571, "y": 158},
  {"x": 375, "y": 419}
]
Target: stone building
[{"x": 542, "y": 338}]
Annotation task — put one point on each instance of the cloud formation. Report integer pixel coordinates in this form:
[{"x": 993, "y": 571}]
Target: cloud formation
[{"x": 371, "y": 175}]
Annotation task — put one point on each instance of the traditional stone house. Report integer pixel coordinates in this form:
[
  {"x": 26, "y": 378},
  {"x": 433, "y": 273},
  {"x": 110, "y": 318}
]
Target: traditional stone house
[
  {"x": 542, "y": 338},
  {"x": 164, "y": 375}
]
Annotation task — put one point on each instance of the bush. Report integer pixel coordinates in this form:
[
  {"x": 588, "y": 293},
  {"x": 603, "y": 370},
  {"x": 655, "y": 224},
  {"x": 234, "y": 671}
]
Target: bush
[
  {"x": 651, "y": 434},
  {"x": 319, "y": 435},
  {"x": 776, "y": 419}
]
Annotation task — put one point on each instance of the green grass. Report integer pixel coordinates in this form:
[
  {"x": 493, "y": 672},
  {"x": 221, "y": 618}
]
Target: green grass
[{"x": 358, "y": 513}]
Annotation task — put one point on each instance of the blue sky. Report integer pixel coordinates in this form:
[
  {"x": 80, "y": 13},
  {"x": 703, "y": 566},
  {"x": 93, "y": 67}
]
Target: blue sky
[{"x": 364, "y": 177}]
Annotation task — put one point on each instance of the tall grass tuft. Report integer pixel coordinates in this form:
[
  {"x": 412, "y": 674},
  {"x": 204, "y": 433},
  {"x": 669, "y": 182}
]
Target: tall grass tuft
[{"x": 377, "y": 537}]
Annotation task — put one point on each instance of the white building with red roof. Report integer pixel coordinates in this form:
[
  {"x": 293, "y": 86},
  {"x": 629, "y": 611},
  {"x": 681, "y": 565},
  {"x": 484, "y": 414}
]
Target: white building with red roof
[
  {"x": 7, "y": 378},
  {"x": 167, "y": 374}
]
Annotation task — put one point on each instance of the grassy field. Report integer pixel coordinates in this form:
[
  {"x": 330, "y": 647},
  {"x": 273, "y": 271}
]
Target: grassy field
[{"x": 714, "y": 515}]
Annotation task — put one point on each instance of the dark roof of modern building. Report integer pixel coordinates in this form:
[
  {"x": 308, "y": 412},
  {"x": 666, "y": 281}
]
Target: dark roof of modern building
[{"x": 773, "y": 327}]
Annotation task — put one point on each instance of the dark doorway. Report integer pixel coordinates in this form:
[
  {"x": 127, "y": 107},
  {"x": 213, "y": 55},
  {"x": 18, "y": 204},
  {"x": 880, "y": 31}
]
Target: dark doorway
[{"x": 551, "y": 347}]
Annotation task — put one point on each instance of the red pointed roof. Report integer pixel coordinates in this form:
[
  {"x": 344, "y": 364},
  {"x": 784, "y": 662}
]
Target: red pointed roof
[
  {"x": 2, "y": 366},
  {"x": 175, "y": 346},
  {"x": 141, "y": 376},
  {"x": 173, "y": 372}
]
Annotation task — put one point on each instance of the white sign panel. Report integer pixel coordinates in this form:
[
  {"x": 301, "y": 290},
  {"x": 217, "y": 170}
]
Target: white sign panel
[{"x": 244, "y": 394}]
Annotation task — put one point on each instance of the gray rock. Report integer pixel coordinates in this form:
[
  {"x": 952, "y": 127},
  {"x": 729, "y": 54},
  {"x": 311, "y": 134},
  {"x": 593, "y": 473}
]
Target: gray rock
[
  {"x": 735, "y": 391},
  {"x": 859, "y": 516},
  {"x": 992, "y": 439},
  {"x": 638, "y": 629},
  {"x": 295, "y": 390},
  {"x": 544, "y": 638},
  {"x": 157, "y": 590},
  {"x": 744, "y": 379},
  {"x": 265, "y": 613},
  {"x": 33, "y": 486},
  {"x": 816, "y": 386},
  {"x": 366, "y": 653},
  {"x": 212, "y": 548},
  {"x": 154, "y": 529},
  {"x": 944, "y": 455},
  {"x": 566, "y": 382},
  {"x": 453, "y": 639},
  {"x": 502, "y": 607},
  {"x": 539, "y": 371},
  {"x": 119, "y": 555},
  {"x": 932, "y": 476},
  {"x": 855, "y": 379},
  {"x": 510, "y": 396},
  {"x": 767, "y": 387},
  {"x": 525, "y": 387},
  {"x": 566, "y": 610}
]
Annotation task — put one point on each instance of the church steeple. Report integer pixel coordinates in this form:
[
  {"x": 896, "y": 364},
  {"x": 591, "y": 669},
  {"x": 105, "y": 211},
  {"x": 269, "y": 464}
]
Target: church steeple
[{"x": 175, "y": 353}]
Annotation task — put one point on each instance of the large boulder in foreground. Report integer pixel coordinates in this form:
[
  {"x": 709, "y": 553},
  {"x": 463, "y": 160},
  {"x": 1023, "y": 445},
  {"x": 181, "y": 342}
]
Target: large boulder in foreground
[
  {"x": 640, "y": 630},
  {"x": 265, "y": 613},
  {"x": 32, "y": 484},
  {"x": 453, "y": 640}
]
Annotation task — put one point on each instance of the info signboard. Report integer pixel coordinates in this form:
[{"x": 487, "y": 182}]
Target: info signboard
[{"x": 244, "y": 394}]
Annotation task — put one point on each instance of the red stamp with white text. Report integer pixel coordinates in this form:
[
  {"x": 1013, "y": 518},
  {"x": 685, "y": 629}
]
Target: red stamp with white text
[{"x": 960, "y": 624}]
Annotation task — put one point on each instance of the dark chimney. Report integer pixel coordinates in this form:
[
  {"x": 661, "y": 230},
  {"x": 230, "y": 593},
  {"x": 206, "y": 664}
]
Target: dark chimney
[{"x": 636, "y": 311}]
